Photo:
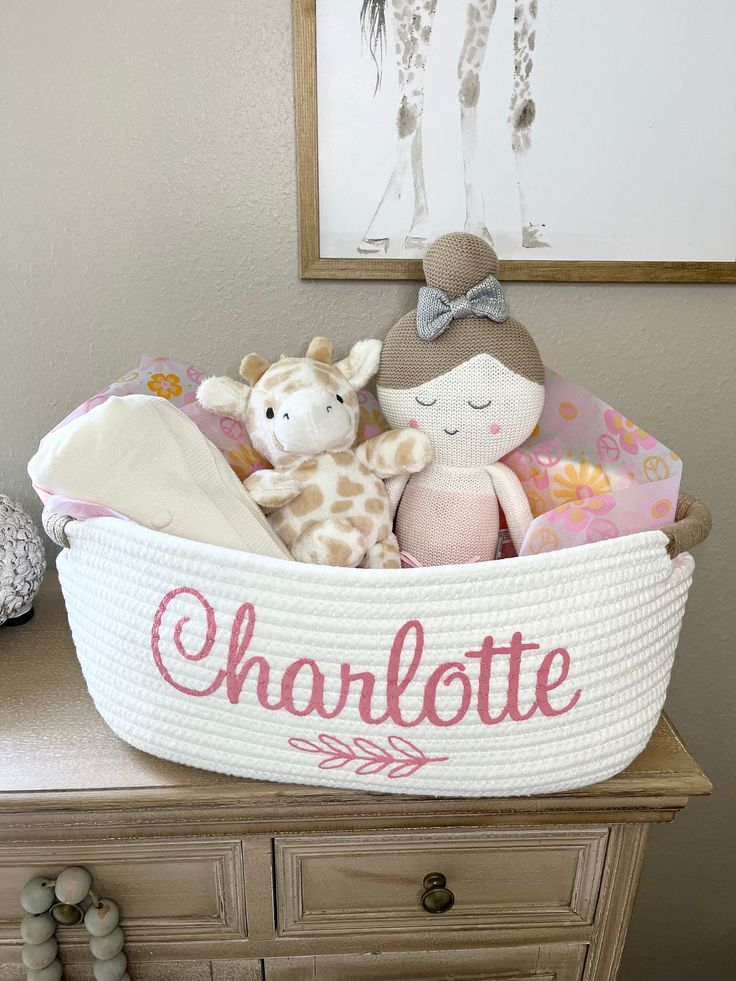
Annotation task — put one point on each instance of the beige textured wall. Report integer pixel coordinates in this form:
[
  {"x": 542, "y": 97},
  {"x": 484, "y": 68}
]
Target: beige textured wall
[{"x": 147, "y": 204}]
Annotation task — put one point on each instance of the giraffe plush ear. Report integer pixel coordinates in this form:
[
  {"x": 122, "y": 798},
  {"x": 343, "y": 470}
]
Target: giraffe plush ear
[
  {"x": 223, "y": 396},
  {"x": 362, "y": 362},
  {"x": 252, "y": 367},
  {"x": 320, "y": 349}
]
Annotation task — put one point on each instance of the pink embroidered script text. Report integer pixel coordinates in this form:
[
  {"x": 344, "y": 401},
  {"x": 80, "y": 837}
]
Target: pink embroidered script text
[{"x": 489, "y": 675}]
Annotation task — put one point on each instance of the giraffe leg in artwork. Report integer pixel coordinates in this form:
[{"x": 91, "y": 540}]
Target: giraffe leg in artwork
[
  {"x": 413, "y": 28},
  {"x": 521, "y": 118},
  {"x": 378, "y": 234},
  {"x": 479, "y": 16},
  {"x": 417, "y": 237}
]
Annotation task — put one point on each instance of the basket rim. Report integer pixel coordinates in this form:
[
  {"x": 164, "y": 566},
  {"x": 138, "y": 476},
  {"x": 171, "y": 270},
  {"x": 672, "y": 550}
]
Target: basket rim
[
  {"x": 128, "y": 531},
  {"x": 692, "y": 527}
]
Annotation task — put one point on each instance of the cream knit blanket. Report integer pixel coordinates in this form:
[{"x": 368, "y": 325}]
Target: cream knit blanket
[{"x": 142, "y": 457}]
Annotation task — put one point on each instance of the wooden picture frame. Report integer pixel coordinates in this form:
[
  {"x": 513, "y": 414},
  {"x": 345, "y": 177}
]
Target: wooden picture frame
[{"x": 313, "y": 265}]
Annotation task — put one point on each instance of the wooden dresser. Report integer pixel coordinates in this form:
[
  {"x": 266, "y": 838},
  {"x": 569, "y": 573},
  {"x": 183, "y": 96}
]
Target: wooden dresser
[{"x": 221, "y": 879}]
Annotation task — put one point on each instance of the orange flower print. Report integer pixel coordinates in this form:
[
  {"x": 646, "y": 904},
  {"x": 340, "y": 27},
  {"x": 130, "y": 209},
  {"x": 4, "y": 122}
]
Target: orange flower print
[
  {"x": 543, "y": 540},
  {"x": 578, "y": 483},
  {"x": 165, "y": 385},
  {"x": 246, "y": 460},
  {"x": 661, "y": 509},
  {"x": 628, "y": 434},
  {"x": 576, "y": 515},
  {"x": 536, "y": 503},
  {"x": 370, "y": 424}
]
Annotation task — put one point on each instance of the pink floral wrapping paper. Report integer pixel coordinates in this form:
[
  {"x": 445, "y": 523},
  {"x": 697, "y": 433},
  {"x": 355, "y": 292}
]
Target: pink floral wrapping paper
[{"x": 591, "y": 473}]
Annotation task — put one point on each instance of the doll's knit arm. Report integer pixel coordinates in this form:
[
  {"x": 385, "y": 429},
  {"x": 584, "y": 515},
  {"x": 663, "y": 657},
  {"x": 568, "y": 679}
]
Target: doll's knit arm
[
  {"x": 395, "y": 487},
  {"x": 512, "y": 499}
]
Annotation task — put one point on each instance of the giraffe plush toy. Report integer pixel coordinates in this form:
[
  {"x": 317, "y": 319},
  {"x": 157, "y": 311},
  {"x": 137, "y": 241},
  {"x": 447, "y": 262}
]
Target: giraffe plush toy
[{"x": 325, "y": 500}]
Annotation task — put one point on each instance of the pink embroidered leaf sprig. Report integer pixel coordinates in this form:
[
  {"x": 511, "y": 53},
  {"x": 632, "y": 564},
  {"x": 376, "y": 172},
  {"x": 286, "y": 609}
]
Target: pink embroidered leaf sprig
[{"x": 402, "y": 758}]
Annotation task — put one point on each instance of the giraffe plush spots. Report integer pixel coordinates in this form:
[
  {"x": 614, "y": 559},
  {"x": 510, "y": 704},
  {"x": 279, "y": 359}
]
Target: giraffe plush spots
[{"x": 326, "y": 500}]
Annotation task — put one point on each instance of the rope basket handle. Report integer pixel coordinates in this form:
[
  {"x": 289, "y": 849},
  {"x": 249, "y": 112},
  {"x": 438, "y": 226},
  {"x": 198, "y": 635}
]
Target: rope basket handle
[
  {"x": 54, "y": 524},
  {"x": 692, "y": 525}
]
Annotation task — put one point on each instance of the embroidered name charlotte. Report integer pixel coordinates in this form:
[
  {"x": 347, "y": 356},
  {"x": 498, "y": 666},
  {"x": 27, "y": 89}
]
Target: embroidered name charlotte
[{"x": 487, "y": 682}]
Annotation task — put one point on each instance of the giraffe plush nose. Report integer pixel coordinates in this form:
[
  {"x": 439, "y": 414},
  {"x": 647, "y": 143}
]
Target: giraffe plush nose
[{"x": 313, "y": 421}]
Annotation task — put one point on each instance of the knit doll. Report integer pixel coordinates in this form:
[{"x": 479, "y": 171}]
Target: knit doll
[
  {"x": 461, "y": 370},
  {"x": 325, "y": 499}
]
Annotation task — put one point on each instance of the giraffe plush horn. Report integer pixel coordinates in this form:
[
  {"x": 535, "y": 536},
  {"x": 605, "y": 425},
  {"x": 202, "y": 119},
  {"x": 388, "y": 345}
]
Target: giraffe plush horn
[
  {"x": 362, "y": 362},
  {"x": 252, "y": 367},
  {"x": 320, "y": 349}
]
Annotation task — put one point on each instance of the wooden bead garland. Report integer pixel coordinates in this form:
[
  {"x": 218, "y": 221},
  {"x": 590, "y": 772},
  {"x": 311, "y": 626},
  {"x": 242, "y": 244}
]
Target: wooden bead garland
[{"x": 69, "y": 899}]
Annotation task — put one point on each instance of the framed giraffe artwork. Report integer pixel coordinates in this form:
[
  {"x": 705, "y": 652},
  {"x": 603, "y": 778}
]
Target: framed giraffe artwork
[{"x": 588, "y": 140}]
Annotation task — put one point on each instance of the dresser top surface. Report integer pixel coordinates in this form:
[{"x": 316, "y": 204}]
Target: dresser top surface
[{"x": 54, "y": 746}]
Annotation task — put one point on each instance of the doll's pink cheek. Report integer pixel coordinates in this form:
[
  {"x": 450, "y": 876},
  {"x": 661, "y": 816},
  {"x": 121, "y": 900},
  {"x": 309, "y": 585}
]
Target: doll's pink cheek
[
  {"x": 494, "y": 429},
  {"x": 414, "y": 424}
]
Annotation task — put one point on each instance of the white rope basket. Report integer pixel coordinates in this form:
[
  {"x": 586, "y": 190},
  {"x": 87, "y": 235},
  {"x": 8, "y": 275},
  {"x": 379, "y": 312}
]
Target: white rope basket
[{"x": 523, "y": 676}]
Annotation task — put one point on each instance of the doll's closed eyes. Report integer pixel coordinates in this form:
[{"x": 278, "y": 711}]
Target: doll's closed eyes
[
  {"x": 470, "y": 403},
  {"x": 468, "y": 423}
]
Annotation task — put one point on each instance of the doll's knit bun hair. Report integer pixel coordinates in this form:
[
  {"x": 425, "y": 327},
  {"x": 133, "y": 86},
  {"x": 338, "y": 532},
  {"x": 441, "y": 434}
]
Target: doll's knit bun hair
[{"x": 454, "y": 264}]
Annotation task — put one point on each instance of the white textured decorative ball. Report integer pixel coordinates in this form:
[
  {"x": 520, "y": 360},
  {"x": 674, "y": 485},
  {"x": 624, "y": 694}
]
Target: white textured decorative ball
[{"x": 22, "y": 562}]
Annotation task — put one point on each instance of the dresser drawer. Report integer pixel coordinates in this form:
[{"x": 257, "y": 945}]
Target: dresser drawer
[
  {"x": 240, "y": 970},
  {"x": 175, "y": 889},
  {"x": 373, "y": 883},
  {"x": 553, "y": 963}
]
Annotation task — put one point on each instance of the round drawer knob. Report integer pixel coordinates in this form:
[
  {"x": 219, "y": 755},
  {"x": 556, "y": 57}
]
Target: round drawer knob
[{"x": 437, "y": 897}]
